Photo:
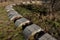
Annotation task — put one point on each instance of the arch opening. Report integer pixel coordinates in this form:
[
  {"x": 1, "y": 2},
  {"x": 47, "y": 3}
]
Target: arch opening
[{"x": 38, "y": 35}]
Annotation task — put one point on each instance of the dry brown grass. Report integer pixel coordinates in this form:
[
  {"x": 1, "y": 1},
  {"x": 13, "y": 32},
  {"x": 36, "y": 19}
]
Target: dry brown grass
[{"x": 7, "y": 28}]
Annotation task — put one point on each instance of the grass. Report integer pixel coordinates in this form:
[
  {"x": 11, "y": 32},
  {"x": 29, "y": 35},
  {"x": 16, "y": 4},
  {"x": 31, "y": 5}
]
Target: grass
[
  {"x": 7, "y": 28},
  {"x": 49, "y": 22}
]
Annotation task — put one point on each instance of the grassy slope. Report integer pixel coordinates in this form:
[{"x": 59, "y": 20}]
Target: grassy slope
[
  {"x": 48, "y": 23},
  {"x": 7, "y": 31}
]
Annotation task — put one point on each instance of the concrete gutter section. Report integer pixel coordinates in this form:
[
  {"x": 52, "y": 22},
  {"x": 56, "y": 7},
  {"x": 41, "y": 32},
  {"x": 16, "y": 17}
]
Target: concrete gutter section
[{"x": 31, "y": 31}]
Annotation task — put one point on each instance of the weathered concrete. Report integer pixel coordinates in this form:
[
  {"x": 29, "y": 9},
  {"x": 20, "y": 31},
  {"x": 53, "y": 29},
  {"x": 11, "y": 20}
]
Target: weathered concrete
[
  {"x": 13, "y": 15},
  {"x": 31, "y": 30},
  {"x": 46, "y": 36},
  {"x": 9, "y": 8},
  {"x": 21, "y": 22}
]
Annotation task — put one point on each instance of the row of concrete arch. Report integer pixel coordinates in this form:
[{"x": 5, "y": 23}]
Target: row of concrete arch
[{"x": 30, "y": 31}]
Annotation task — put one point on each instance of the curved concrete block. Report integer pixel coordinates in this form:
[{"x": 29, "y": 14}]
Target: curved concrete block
[
  {"x": 13, "y": 15},
  {"x": 21, "y": 22},
  {"x": 30, "y": 31}
]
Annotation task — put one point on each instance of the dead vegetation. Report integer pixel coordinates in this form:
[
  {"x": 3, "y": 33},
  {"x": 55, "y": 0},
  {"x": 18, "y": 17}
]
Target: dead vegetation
[{"x": 7, "y": 28}]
